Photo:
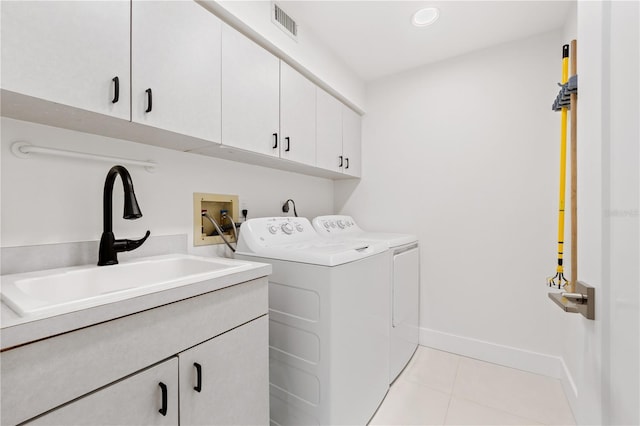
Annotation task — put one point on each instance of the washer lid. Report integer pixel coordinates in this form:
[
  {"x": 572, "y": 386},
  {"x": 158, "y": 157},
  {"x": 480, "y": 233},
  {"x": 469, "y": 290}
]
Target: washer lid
[
  {"x": 322, "y": 253},
  {"x": 295, "y": 240}
]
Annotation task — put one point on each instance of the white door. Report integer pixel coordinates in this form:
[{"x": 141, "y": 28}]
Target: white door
[
  {"x": 351, "y": 135},
  {"x": 328, "y": 132},
  {"x": 147, "y": 398},
  {"x": 68, "y": 52},
  {"x": 621, "y": 225},
  {"x": 225, "y": 381},
  {"x": 297, "y": 116},
  {"x": 176, "y": 68},
  {"x": 250, "y": 95}
]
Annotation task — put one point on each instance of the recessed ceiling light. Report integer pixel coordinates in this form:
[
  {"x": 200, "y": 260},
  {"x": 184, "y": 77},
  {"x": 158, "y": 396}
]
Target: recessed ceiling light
[{"x": 424, "y": 17}]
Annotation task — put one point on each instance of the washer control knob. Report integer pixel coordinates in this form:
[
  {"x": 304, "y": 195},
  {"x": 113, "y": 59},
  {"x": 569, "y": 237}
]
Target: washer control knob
[
  {"x": 273, "y": 229},
  {"x": 341, "y": 224},
  {"x": 287, "y": 228},
  {"x": 326, "y": 224},
  {"x": 333, "y": 224},
  {"x": 299, "y": 227}
]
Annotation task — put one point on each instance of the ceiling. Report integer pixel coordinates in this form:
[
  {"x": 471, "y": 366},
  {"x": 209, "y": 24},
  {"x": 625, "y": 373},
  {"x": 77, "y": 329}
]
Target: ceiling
[{"x": 376, "y": 38}]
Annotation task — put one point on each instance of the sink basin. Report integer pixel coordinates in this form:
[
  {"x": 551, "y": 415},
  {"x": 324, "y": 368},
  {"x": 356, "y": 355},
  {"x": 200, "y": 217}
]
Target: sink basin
[{"x": 69, "y": 289}]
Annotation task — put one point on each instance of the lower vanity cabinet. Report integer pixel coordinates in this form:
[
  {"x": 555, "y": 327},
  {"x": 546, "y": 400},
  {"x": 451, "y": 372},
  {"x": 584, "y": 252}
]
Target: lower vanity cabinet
[
  {"x": 149, "y": 397},
  {"x": 224, "y": 381},
  {"x": 203, "y": 360}
]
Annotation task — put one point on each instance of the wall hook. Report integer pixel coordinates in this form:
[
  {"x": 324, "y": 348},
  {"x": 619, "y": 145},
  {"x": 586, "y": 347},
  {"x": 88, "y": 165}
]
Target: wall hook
[{"x": 582, "y": 301}]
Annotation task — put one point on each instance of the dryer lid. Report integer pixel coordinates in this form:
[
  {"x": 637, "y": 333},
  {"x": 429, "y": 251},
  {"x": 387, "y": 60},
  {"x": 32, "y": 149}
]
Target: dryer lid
[{"x": 343, "y": 227}]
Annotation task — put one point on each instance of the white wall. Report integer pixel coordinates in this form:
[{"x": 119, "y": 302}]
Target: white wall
[
  {"x": 465, "y": 154},
  {"x": 48, "y": 200},
  {"x": 308, "y": 52}
]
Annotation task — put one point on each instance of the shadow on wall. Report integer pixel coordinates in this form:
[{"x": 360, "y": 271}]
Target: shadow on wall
[{"x": 342, "y": 191}]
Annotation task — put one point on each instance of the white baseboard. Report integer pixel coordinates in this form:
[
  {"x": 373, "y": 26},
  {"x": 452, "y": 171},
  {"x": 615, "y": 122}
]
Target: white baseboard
[
  {"x": 569, "y": 387},
  {"x": 508, "y": 356}
]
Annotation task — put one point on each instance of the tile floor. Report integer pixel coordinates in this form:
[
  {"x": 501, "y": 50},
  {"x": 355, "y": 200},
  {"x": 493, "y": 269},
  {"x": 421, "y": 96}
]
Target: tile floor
[{"x": 440, "y": 388}]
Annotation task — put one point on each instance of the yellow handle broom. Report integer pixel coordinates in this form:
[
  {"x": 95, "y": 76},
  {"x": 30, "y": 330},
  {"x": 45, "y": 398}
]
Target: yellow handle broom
[{"x": 559, "y": 281}]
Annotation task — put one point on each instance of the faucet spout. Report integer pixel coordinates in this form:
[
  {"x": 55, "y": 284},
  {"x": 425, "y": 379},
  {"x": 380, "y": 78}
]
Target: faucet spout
[{"x": 109, "y": 245}]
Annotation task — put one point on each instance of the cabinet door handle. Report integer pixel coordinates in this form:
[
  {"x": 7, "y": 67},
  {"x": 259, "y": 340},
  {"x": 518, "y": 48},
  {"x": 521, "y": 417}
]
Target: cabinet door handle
[
  {"x": 149, "y": 100},
  {"x": 163, "y": 410},
  {"x": 288, "y": 144},
  {"x": 116, "y": 89},
  {"x": 275, "y": 141},
  {"x": 198, "y": 386},
  {"x": 341, "y": 161},
  {"x": 347, "y": 161}
]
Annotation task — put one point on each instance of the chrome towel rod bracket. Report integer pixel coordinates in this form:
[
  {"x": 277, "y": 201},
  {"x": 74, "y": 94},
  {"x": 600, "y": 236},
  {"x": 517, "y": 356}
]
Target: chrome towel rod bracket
[{"x": 23, "y": 149}]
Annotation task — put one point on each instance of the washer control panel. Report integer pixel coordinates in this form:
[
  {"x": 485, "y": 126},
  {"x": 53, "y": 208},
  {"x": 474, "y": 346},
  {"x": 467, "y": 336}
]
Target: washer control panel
[{"x": 279, "y": 230}]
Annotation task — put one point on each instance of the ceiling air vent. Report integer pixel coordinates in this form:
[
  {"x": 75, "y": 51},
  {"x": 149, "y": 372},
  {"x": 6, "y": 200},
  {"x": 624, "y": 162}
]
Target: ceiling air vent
[{"x": 284, "y": 21}]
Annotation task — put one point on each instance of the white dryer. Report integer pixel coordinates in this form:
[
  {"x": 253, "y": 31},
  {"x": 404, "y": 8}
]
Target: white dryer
[
  {"x": 328, "y": 333},
  {"x": 405, "y": 283}
]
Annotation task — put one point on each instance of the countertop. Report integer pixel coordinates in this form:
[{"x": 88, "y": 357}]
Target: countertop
[{"x": 16, "y": 330}]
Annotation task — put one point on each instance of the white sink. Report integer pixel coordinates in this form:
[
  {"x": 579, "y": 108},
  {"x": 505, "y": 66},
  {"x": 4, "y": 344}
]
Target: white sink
[{"x": 69, "y": 289}]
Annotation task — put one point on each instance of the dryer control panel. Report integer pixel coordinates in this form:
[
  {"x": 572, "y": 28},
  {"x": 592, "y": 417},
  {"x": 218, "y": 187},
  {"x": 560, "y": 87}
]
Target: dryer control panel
[{"x": 335, "y": 225}]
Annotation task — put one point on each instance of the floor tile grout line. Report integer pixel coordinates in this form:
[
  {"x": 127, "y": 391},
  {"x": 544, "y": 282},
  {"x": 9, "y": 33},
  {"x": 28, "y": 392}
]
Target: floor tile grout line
[
  {"x": 485, "y": 405},
  {"x": 405, "y": 377},
  {"x": 455, "y": 378},
  {"x": 503, "y": 411}
]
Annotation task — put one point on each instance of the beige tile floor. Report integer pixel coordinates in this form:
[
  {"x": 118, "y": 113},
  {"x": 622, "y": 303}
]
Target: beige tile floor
[{"x": 440, "y": 388}]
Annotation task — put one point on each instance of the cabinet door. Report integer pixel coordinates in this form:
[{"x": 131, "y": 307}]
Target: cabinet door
[
  {"x": 68, "y": 52},
  {"x": 136, "y": 400},
  {"x": 297, "y": 116},
  {"x": 231, "y": 374},
  {"x": 351, "y": 135},
  {"x": 328, "y": 132},
  {"x": 176, "y": 55},
  {"x": 250, "y": 95}
]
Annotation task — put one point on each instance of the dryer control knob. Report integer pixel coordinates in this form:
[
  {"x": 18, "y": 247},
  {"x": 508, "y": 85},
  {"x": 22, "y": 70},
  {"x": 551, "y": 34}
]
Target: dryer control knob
[
  {"x": 287, "y": 228},
  {"x": 273, "y": 229},
  {"x": 333, "y": 224},
  {"x": 299, "y": 227},
  {"x": 341, "y": 224},
  {"x": 326, "y": 224}
]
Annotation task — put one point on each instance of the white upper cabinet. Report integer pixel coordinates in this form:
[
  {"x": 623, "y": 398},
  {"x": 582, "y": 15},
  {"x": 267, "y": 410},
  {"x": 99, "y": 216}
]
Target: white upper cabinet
[
  {"x": 351, "y": 135},
  {"x": 72, "y": 53},
  {"x": 250, "y": 95},
  {"x": 329, "y": 132},
  {"x": 175, "y": 68},
  {"x": 297, "y": 116},
  {"x": 338, "y": 136},
  {"x": 179, "y": 74}
]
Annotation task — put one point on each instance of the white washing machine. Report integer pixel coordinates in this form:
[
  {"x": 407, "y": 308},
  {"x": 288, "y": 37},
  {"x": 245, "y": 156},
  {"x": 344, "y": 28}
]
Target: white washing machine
[
  {"x": 405, "y": 283},
  {"x": 328, "y": 333}
]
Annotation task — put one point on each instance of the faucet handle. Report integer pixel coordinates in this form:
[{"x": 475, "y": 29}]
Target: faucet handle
[{"x": 128, "y": 245}]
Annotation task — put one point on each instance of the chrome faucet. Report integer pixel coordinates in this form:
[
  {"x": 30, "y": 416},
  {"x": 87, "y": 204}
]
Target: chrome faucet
[{"x": 109, "y": 246}]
